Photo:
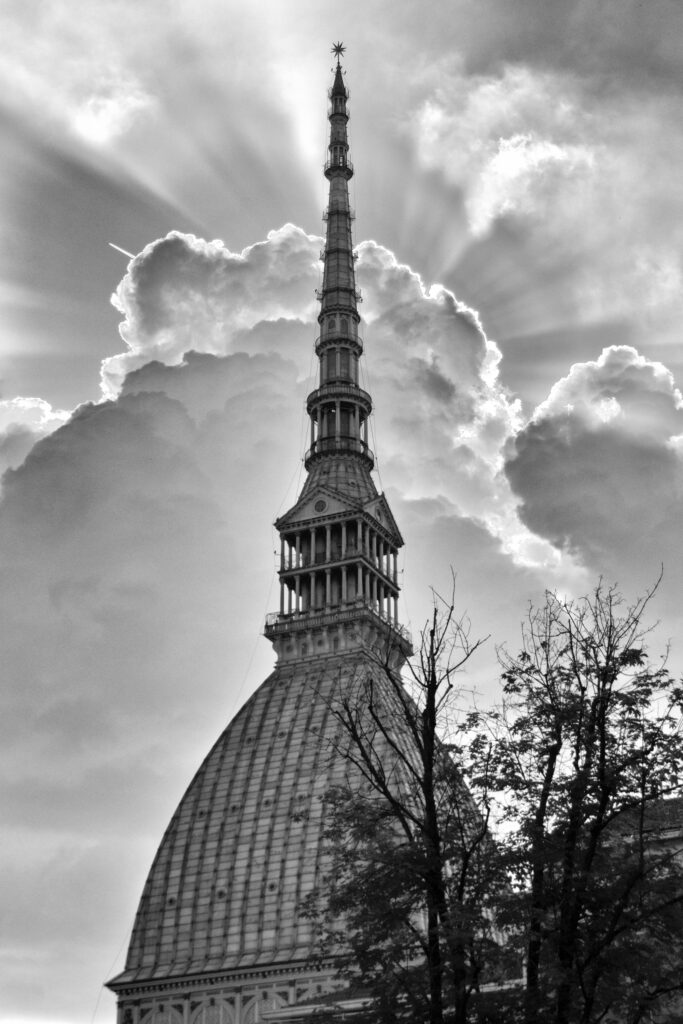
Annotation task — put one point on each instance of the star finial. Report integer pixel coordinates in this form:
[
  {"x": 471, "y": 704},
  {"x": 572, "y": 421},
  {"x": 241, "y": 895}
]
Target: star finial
[{"x": 338, "y": 50}]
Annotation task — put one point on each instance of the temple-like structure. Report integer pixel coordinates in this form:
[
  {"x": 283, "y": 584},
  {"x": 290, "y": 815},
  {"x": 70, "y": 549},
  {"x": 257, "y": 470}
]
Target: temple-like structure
[{"x": 219, "y": 937}]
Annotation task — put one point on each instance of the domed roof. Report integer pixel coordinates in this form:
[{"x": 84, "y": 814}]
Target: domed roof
[
  {"x": 345, "y": 475},
  {"x": 244, "y": 846}
]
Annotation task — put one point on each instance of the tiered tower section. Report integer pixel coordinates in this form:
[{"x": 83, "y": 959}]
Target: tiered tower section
[{"x": 339, "y": 543}]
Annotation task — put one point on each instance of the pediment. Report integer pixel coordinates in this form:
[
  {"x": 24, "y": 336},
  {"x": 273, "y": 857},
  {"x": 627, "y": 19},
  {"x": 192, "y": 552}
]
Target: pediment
[
  {"x": 323, "y": 503},
  {"x": 318, "y": 503},
  {"x": 379, "y": 509}
]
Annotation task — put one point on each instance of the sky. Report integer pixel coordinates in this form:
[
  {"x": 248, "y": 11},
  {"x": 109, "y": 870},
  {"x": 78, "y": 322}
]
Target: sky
[{"x": 520, "y": 237}]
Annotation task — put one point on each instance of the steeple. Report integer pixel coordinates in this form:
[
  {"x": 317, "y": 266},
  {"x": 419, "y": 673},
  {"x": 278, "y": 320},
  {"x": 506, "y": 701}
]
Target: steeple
[
  {"x": 339, "y": 543},
  {"x": 338, "y": 316}
]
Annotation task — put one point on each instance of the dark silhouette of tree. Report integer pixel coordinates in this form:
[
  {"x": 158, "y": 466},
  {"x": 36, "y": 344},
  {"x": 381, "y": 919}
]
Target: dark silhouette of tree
[
  {"x": 581, "y": 756},
  {"x": 511, "y": 864},
  {"x": 413, "y": 877}
]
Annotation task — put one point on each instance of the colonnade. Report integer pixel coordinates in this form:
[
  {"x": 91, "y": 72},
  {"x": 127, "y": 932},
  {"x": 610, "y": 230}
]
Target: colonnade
[
  {"x": 339, "y": 421},
  {"x": 337, "y": 564}
]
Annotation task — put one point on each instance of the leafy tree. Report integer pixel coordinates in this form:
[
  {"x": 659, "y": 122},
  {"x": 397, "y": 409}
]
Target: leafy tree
[
  {"x": 466, "y": 842},
  {"x": 413, "y": 876},
  {"x": 580, "y": 757}
]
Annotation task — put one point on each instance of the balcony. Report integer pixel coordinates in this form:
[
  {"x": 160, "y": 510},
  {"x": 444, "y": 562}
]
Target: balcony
[
  {"x": 348, "y": 212},
  {"x": 338, "y": 301},
  {"x": 343, "y": 167},
  {"x": 342, "y": 444},
  {"x": 344, "y": 392},
  {"x": 306, "y": 562},
  {"x": 317, "y": 618},
  {"x": 323, "y": 341},
  {"x": 350, "y": 558}
]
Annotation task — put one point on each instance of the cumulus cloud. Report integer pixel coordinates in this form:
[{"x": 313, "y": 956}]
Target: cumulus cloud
[
  {"x": 110, "y": 111},
  {"x": 136, "y": 565},
  {"x": 500, "y": 138},
  {"x": 423, "y": 345},
  {"x": 23, "y": 421},
  {"x": 599, "y": 467},
  {"x": 523, "y": 176},
  {"x": 581, "y": 167},
  {"x": 183, "y": 293}
]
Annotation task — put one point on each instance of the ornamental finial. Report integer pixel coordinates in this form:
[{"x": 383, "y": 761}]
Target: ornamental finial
[{"x": 338, "y": 51}]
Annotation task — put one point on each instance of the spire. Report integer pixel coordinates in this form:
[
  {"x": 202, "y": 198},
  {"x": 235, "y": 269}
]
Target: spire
[
  {"x": 339, "y": 410},
  {"x": 339, "y": 543}
]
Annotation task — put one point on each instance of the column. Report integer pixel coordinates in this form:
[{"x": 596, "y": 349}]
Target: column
[
  {"x": 374, "y": 589},
  {"x": 312, "y": 558},
  {"x": 312, "y": 584},
  {"x": 297, "y": 594},
  {"x": 395, "y": 560},
  {"x": 289, "y": 600},
  {"x": 359, "y": 583},
  {"x": 344, "y": 585},
  {"x": 282, "y": 597},
  {"x": 337, "y": 421},
  {"x": 282, "y": 553},
  {"x": 343, "y": 549},
  {"x": 297, "y": 551},
  {"x": 395, "y": 610},
  {"x": 359, "y": 536},
  {"x": 328, "y": 587},
  {"x": 328, "y": 543}
]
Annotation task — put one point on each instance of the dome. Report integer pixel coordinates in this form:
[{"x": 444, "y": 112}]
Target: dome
[{"x": 244, "y": 846}]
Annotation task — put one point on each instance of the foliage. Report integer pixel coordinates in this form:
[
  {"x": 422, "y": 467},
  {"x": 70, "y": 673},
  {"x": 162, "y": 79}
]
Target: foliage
[
  {"x": 580, "y": 756},
  {"x": 472, "y": 842},
  {"x": 413, "y": 875}
]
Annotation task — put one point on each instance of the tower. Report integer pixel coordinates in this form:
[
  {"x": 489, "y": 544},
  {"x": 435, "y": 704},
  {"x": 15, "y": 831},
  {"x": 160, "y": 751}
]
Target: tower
[{"x": 218, "y": 937}]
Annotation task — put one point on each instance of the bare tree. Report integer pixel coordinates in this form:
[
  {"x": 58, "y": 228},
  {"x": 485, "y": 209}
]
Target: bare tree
[{"x": 412, "y": 869}]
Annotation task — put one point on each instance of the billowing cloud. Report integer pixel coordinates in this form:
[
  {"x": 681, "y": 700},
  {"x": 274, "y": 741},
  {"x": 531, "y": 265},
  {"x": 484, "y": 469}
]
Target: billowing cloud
[
  {"x": 183, "y": 293},
  {"x": 423, "y": 346},
  {"x": 599, "y": 468},
  {"x": 499, "y": 138},
  {"x": 578, "y": 164},
  {"x": 23, "y": 421},
  {"x": 125, "y": 644},
  {"x": 110, "y": 111}
]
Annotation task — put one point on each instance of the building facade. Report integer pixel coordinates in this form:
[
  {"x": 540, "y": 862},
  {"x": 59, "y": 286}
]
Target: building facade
[{"x": 219, "y": 937}]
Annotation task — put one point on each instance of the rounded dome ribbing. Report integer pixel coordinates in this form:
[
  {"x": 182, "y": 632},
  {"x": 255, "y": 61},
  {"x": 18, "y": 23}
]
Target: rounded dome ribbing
[{"x": 244, "y": 846}]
